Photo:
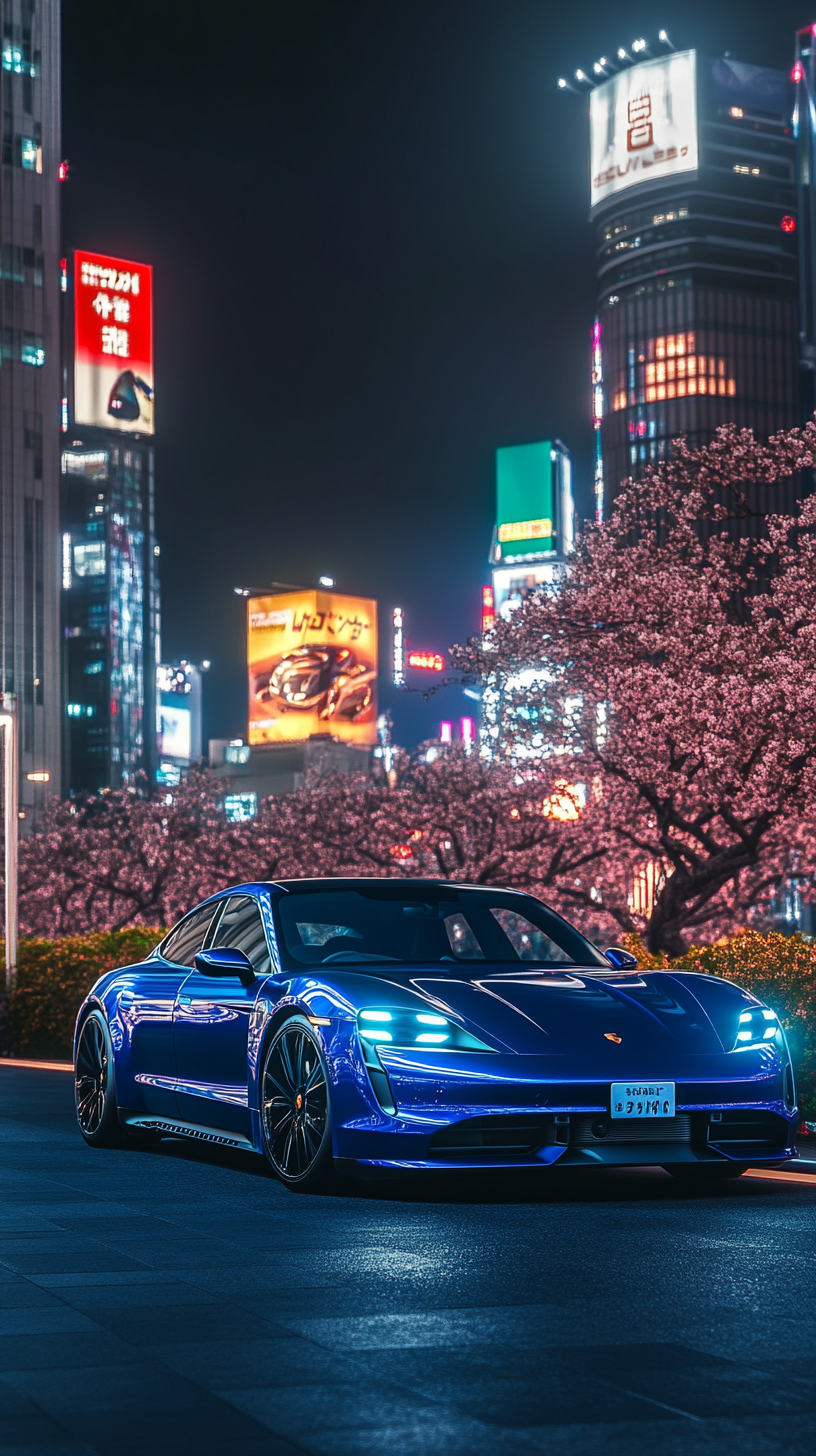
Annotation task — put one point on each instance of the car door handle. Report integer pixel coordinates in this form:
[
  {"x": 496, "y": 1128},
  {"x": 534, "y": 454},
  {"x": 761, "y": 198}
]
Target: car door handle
[{"x": 184, "y": 1000}]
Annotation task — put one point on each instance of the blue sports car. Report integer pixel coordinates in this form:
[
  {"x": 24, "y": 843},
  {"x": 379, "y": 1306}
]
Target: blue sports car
[{"x": 369, "y": 1026}]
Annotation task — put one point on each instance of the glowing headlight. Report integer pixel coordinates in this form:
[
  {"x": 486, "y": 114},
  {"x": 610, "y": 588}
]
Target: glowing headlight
[
  {"x": 756, "y": 1026},
  {"x": 413, "y": 1028}
]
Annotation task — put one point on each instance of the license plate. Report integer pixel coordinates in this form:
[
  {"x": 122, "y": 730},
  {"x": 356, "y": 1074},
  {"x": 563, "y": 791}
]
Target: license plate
[{"x": 642, "y": 1099}]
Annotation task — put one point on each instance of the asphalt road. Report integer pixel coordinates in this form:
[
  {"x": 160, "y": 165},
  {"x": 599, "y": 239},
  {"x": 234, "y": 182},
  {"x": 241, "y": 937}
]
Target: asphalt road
[{"x": 181, "y": 1301}]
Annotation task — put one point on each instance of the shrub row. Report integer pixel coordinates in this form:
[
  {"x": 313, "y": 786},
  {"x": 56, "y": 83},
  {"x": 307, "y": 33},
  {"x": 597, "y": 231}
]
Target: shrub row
[
  {"x": 54, "y": 976},
  {"x": 53, "y": 979}
]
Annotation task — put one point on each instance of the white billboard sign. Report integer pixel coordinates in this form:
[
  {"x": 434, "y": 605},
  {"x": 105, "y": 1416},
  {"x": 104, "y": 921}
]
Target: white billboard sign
[
  {"x": 176, "y": 732},
  {"x": 643, "y": 125}
]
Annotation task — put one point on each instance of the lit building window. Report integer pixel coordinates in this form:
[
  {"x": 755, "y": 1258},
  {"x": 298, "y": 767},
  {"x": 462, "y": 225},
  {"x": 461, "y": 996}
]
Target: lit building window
[
  {"x": 32, "y": 350},
  {"x": 238, "y": 808},
  {"x": 89, "y": 558},
  {"x": 674, "y": 370}
]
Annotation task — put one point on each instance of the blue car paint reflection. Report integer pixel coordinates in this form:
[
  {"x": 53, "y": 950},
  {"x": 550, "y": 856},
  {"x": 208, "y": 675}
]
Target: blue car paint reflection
[{"x": 188, "y": 1050}]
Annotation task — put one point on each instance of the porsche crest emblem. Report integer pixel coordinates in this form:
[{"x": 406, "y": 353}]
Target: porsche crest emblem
[{"x": 612, "y": 1036}]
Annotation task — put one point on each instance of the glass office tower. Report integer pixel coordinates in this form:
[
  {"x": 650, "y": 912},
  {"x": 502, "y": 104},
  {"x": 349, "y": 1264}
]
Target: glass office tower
[
  {"x": 695, "y": 207},
  {"x": 111, "y": 620},
  {"x": 110, "y": 586},
  {"x": 30, "y": 385}
]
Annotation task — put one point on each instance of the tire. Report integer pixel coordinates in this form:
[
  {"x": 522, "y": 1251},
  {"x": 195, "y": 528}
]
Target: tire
[
  {"x": 295, "y": 1108},
  {"x": 705, "y": 1172},
  {"x": 94, "y": 1091}
]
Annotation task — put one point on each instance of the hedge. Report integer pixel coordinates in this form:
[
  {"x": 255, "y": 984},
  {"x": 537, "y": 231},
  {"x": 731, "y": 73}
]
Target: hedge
[{"x": 53, "y": 977}]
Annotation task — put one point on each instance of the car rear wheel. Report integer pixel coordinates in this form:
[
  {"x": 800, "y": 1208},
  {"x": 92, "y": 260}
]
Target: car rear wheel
[
  {"x": 94, "y": 1091},
  {"x": 295, "y": 1109},
  {"x": 705, "y": 1172}
]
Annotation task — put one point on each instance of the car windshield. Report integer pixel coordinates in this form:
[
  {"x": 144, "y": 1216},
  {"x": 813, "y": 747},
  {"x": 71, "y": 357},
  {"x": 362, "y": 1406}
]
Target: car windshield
[{"x": 436, "y": 925}]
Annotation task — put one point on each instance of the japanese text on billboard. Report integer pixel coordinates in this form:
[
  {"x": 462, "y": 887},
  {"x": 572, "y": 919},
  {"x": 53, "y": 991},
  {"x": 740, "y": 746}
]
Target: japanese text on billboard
[
  {"x": 312, "y": 659},
  {"x": 113, "y": 343}
]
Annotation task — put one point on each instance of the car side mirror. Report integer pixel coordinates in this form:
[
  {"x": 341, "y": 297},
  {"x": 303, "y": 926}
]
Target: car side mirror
[
  {"x": 621, "y": 959},
  {"x": 225, "y": 962}
]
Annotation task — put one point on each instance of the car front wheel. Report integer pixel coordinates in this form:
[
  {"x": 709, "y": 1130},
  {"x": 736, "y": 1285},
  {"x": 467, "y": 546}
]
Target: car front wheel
[
  {"x": 295, "y": 1109},
  {"x": 94, "y": 1091}
]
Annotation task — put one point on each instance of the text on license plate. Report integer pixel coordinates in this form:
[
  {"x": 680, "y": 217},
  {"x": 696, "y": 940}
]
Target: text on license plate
[{"x": 642, "y": 1099}]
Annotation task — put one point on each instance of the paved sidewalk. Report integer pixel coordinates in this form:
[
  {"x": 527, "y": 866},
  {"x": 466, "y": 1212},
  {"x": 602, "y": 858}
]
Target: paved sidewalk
[{"x": 181, "y": 1301}]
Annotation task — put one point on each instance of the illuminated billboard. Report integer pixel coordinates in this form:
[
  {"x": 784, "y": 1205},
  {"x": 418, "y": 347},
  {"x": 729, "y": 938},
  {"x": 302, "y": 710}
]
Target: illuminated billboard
[
  {"x": 525, "y": 500},
  {"x": 643, "y": 125},
  {"x": 312, "y": 658},
  {"x": 113, "y": 343},
  {"x": 176, "y": 732}
]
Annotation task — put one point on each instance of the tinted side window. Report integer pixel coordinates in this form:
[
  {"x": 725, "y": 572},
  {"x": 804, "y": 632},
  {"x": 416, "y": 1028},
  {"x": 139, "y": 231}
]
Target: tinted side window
[
  {"x": 188, "y": 937},
  {"x": 241, "y": 928}
]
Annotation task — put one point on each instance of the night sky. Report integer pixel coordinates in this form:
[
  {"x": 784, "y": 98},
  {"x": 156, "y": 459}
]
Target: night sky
[{"x": 368, "y": 223}]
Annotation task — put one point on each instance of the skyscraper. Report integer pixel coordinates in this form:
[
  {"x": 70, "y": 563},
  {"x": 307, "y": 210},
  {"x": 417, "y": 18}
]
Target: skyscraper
[
  {"x": 30, "y": 383},
  {"x": 110, "y": 587},
  {"x": 693, "y": 198}
]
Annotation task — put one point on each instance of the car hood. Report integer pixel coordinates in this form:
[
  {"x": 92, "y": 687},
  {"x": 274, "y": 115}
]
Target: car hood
[{"x": 570, "y": 1012}]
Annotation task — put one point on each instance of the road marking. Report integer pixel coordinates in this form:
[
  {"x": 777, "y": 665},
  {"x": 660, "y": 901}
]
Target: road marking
[
  {"x": 636, "y": 1393},
  {"x": 780, "y": 1177},
  {"x": 41, "y": 1066}
]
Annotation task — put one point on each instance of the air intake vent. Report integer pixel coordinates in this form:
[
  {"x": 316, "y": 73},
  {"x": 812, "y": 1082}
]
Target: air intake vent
[
  {"x": 740, "y": 1130},
  {"x": 511, "y": 1136},
  {"x": 590, "y": 1131}
]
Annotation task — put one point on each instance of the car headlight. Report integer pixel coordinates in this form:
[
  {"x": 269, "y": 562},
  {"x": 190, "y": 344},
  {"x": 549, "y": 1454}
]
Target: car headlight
[
  {"x": 424, "y": 1029},
  {"x": 756, "y": 1027}
]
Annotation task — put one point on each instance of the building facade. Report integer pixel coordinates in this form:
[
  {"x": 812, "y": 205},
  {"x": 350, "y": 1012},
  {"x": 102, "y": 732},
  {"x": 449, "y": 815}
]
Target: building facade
[
  {"x": 533, "y": 538},
  {"x": 694, "y": 203},
  {"x": 110, "y": 612},
  {"x": 111, "y": 627},
  {"x": 30, "y": 386}
]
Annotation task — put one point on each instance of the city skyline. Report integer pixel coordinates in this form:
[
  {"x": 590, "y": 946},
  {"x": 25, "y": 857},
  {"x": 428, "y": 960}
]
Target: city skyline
[{"x": 352, "y": 316}]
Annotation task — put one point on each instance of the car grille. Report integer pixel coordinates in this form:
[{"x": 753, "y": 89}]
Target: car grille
[{"x": 589, "y": 1131}]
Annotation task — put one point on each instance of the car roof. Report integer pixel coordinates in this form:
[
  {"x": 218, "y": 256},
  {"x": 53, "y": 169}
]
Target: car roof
[{"x": 350, "y": 882}]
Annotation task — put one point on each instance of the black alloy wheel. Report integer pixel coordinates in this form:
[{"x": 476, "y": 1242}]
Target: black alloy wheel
[
  {"x": 295, "y": 1107},
  {"x": 93, "y": 1084},
  {"x": 705, "y": 1172}
]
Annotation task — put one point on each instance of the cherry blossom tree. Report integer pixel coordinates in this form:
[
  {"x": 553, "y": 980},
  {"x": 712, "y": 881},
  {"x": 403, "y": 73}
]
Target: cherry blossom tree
[
  {"x": 117, "y": 858},
  {"x": 678, "y": 677}
]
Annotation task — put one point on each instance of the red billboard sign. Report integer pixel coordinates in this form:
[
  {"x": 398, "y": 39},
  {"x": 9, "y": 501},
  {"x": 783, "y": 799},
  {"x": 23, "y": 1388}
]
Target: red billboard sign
[
  {"x": 113, "y": 343},
  {"x": 429, "y": 661}
]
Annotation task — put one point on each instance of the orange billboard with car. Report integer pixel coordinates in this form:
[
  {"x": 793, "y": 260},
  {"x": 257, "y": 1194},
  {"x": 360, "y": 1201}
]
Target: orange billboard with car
[{"x": 312, "y": 658}]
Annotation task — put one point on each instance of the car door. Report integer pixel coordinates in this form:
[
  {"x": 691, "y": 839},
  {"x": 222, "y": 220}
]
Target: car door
[
  {"x": 211, "y": 1025},
  {"x": 147, "y": 1071}
]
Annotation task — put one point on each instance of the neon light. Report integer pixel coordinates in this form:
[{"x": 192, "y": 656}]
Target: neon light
[
  {"x": 375, "y": 1016},
  {"x": 788, "y": 224},
  {"x": 398, "y": 647},
  {"x": 430, "y": 661},
  {"x": 467, "y": 730},
  {"x": 525, "y": 530},
  {"x": 446, "y": 733},
  {"x": 432, "y": 1020},
  {"x": 488, "y": 608}
]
